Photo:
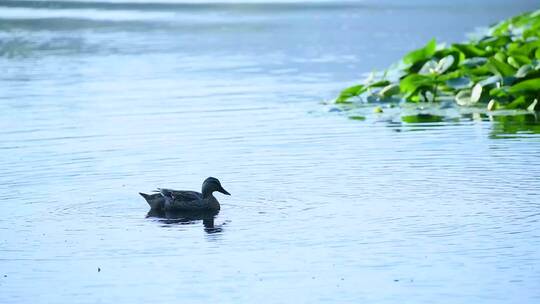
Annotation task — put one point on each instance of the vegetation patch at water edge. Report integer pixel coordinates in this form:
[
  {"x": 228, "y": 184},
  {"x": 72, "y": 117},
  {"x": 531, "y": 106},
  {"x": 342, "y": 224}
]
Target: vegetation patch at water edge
[{"x": 498, "y": 70}]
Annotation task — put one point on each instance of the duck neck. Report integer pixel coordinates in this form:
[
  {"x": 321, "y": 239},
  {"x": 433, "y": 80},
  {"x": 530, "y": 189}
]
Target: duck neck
[{"x": 207, "y": 193}]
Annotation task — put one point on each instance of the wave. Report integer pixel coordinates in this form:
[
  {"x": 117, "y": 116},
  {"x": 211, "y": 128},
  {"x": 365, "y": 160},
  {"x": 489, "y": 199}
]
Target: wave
[{"x": 180, "y": 6}]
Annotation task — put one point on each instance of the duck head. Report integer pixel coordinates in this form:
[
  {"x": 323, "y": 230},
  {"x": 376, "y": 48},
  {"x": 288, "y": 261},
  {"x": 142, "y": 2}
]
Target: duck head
[{"x": 212, "y": 184}]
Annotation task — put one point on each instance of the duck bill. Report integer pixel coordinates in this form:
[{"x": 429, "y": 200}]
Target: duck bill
[{"x": 224, "y": 191}]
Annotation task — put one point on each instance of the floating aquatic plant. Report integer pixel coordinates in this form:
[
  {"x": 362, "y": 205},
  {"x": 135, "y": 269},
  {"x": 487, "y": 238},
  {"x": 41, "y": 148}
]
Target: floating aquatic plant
[{"x": 499, "y": 70}]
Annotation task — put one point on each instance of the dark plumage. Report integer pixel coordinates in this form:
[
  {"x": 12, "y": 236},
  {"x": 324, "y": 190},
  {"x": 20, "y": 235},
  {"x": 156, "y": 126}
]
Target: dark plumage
[{"x": 179, "y": 200}]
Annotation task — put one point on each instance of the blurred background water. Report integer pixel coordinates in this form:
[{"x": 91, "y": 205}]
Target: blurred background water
[{"x": 102, "y": 99}]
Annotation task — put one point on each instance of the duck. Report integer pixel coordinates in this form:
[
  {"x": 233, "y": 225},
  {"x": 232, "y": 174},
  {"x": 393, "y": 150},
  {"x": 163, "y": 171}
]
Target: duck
[{"x": 183, "y": 200}]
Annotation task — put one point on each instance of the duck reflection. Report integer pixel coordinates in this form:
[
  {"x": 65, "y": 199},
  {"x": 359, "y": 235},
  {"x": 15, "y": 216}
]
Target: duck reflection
[{"x": 187, "y": 218}]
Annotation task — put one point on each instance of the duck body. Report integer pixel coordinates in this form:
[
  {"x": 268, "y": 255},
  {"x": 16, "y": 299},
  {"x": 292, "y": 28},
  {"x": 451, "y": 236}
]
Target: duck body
[
  {"x": 179, "y": 200},
  {"x": 182, "y": 200}
]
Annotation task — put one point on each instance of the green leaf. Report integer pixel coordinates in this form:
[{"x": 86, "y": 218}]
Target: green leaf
[
  {"x": 500, "y": 56},
  {"x": 494, "y": 42},
  {"x": 458, "y": 56},
  {"x": 357, "y": 117},
  {"x": 380, "y": 83},
  {"x": 410, "y": 84},
  {"x": 501, "y": 28},
  {"x": 518, "y": 103},
  {"x": 500, "y": 67},
  {"x": 533, "y": 30},
  {"x": 451, "y": 75},
  {"x": 421, "y": 54},
  {"x": 521, "y": 60},
  {"x": 524, "y": 49},
  {"x": 350, "y": 92},
  {"x": 513, "y": 62},
  {"x": 389, "y": 90},
  {"x": 531, "y": 85},
  {"x": 482, "y": 70},
  {"x": 469, "y": 50},
  {"x": 501, "y": 92}
]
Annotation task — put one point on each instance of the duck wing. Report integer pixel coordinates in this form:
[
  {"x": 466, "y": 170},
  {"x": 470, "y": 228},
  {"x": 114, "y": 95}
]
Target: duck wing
[
  {"x": 180, "y": 195},
  {"x": 183, "y": 200}
]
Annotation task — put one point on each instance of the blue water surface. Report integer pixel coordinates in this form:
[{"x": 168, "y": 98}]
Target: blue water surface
[{"x": 102, "y": 99}]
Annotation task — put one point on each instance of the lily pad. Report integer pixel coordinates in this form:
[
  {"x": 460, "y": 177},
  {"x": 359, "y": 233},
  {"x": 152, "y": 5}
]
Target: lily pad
[
  {"x": 490, "y": 81},
  {"x": 433, "y": 67},
  {"x": 444, "y": 64},
  {"x": 492, "y": 105},
  {"x": 463, "y": 98},
  {"x": 428, "y": 68},
  {"x": 413, "y": 82},
  {"x": 459, "y": 83},
  {"x": 389, "y": 90},
  {"x": 533, "y": 105},
  {"x": 524, "y": 70},
  {"x": 474, "y": 62},
  {"x": 503, "y": 64},
  {"x": 357, "y": 117},
  {"x": 476, "y": 93}
]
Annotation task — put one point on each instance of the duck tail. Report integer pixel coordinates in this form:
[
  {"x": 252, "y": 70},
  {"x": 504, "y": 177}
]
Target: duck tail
[
  {"x": 166, "y": 193},
  {"x": 154, "y": 201}
]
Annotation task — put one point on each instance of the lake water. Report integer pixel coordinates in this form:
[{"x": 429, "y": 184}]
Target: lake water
[{"x": 101, "y": 100}]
